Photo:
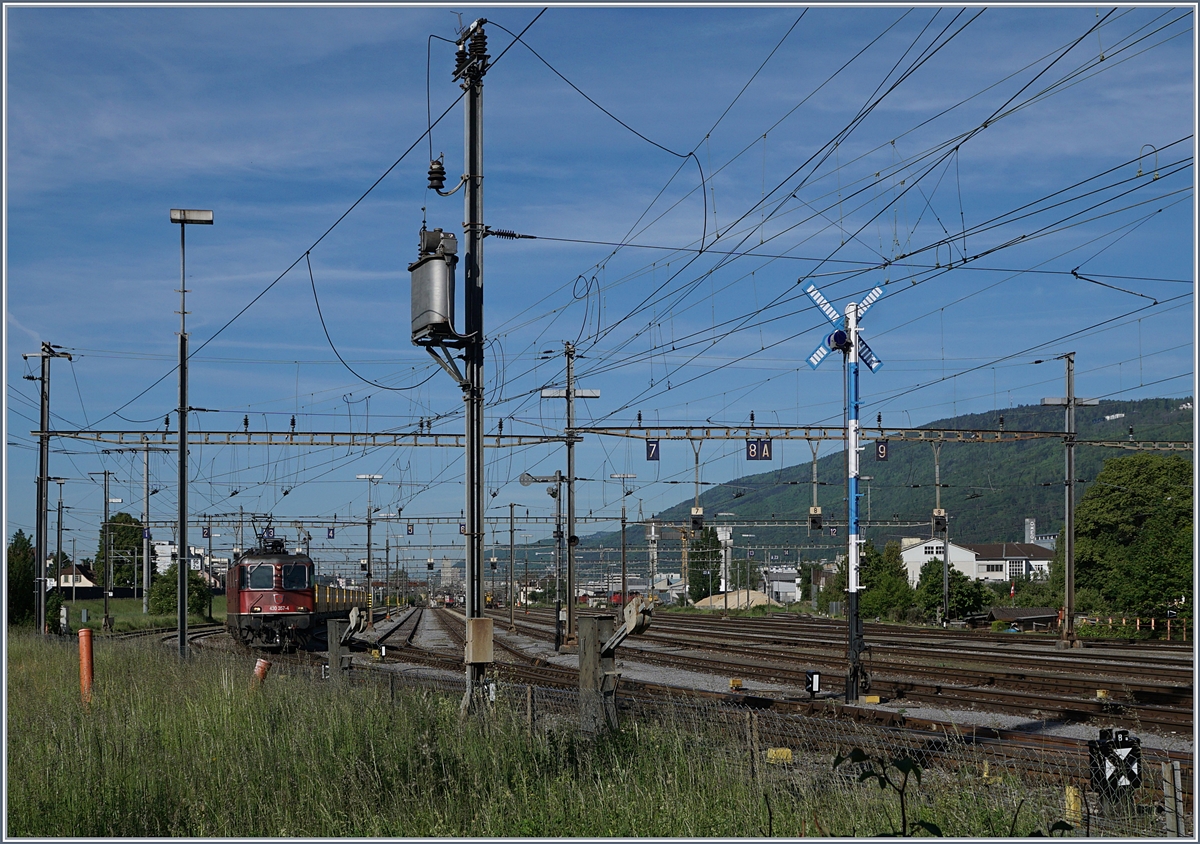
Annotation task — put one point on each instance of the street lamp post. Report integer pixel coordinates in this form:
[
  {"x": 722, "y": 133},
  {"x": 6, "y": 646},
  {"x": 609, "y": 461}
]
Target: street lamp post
[
  {"x": 525, "y": 581},
  {"x": 622, "y": 477},
  {"x": 184, "y": 217},
  {"x": 58, "y": 544},
  {"x": 370, "y": 479}
]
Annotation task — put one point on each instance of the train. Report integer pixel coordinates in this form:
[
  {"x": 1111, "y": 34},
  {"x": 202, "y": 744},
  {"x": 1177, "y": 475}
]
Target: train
[{"x": 274, "y": 601}]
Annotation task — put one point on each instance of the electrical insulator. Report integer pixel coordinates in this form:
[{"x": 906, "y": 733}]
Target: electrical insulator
[
  {"x": 479, "y": 47},
  {"x": 461, "y": 59},
  {"x": 815, "y": 521},
  {"x": 437, "y": 175}
]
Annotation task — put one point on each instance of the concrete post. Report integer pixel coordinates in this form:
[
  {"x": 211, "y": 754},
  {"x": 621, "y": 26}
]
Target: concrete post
[{"x": 339, "y": 655}]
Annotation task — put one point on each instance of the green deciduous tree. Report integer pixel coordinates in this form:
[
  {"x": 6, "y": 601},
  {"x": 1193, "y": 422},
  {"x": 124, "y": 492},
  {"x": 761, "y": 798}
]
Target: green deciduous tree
[
  {"x": 125, "y": 532},
  {"x": 165, "y": 591},
  {"x": 886, "y": 593},
  {"x": 704, "y": 564},
  {"x": 20, "y": 579},
  {"x": 967, "y": 595},
  {"x": 1133, "y": 534},
  {"x": 835, "y": 587}
]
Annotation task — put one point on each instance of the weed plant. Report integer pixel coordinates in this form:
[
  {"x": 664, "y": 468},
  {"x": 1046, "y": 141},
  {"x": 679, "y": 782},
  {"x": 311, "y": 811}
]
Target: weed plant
[{"x": 174, "y": 748}]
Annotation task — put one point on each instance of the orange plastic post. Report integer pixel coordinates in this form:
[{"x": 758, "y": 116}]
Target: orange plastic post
[
  {"x": 85, "y": 664},
  {"x": 260, "y": 670}
]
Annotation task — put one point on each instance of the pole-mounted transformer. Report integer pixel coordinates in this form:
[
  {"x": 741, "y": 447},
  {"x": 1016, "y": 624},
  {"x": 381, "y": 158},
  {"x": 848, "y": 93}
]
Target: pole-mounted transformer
[{"x": 433, "y": 288}]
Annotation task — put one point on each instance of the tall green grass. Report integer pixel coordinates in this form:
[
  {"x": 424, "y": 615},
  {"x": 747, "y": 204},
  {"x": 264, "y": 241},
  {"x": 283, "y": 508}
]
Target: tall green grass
[{"x": 169, "y": 748}]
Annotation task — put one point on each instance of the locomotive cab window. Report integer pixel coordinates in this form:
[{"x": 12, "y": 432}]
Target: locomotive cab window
[
  {"x": 258, "y": 577},
  {"x": 295, "y": 576}
]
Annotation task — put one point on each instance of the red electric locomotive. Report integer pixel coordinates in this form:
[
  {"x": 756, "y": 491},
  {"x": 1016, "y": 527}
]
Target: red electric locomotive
[{"x": 273, "y": 602}]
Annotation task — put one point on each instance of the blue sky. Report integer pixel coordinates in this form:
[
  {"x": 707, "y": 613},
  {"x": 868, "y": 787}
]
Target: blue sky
[{"x": 855, "y": 155}]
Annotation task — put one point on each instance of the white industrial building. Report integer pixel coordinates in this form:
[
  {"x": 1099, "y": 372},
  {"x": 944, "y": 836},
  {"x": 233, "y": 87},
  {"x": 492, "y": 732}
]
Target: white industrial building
[{"x": 996, "y": 561}]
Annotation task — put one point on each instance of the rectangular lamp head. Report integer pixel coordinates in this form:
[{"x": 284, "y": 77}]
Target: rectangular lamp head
[{"x": 186, "y": 215}]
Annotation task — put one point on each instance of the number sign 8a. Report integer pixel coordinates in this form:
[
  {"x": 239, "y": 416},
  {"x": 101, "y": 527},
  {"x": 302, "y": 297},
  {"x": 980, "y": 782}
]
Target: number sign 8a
[{"x": 758, "y": 449}]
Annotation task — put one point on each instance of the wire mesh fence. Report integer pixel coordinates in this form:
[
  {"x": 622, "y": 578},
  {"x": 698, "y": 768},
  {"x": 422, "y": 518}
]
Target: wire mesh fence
[
  {"x": 970, "y": 783},
  {"x": 973, "y": 784}
]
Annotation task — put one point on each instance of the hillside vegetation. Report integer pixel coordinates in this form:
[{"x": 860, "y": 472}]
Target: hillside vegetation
[{"x": 988, "y": 490}]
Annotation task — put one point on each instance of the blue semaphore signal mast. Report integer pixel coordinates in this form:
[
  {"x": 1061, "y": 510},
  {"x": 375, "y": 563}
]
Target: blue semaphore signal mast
[{"x": 846, "y": 339}]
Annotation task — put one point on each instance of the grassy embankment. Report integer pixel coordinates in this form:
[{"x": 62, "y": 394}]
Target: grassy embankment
[
  {"x": 168, "y": 748},
  {"x": 127, "y": 614}
]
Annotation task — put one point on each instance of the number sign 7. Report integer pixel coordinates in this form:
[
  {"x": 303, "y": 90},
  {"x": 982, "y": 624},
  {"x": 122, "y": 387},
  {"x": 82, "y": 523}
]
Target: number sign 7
[{"x": 652, "y": 449}]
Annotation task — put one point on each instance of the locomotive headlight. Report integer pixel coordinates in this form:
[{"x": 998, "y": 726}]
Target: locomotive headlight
[{"x": 256, "y": 609}]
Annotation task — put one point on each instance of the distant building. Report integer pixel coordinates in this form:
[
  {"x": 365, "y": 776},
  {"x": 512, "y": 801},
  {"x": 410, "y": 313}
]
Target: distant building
[
  {"x": 998, "y": 561},
  {"x": 782, "y": 584},
  {"x": 1025, "y": 618},
  {"x": 1014, "y": 559},
  {"x": 79, "y": 576},
  {"x": 917, "y": 552},
  {"x": 163, "y": 552},
  {"x": 1046, "y": 540}
]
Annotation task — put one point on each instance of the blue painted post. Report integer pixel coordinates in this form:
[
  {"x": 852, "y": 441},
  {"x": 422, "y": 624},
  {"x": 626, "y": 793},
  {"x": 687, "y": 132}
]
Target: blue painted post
[{"x": 854, "y": 647}]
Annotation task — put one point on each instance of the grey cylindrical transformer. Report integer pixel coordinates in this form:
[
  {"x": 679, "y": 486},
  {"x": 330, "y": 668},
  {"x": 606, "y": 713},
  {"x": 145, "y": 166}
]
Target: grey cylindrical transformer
[{"x": 433, "y": 286}]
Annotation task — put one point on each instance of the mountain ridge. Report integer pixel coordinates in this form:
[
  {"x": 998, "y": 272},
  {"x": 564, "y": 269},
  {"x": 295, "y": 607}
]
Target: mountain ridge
[{"x": 987, "y": 489}]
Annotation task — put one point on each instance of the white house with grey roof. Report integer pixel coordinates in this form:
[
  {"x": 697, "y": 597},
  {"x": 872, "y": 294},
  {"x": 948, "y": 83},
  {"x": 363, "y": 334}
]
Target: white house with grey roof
[{"x": 995, "y": 561}]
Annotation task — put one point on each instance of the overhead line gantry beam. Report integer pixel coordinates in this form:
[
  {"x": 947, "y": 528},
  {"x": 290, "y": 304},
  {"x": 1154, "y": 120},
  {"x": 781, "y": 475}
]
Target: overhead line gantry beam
[
  {"x": 298, "y": 438},
  {"x": 813, "y": 432}
]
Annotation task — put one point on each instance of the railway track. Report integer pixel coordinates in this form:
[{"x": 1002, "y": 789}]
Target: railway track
[{"x": 942, "y": 680}]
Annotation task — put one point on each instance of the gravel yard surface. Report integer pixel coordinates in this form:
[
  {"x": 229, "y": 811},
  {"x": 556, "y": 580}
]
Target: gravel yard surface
[{"x": 430, "y": 636}]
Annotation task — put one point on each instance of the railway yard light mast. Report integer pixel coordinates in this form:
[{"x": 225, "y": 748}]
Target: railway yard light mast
[
  {"x": 184, "y": 217},
  {"x": 371, "y": 480},
  {"x": 622, "y": 477},
  {"x": 525, "y": 582}
]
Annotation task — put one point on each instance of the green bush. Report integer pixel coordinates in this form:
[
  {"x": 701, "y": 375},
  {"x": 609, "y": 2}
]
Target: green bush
[{"x": 164, "y": 593}]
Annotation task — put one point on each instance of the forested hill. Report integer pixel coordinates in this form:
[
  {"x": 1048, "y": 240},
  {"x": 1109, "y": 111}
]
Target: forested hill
[{"x": 988, "y": 490}]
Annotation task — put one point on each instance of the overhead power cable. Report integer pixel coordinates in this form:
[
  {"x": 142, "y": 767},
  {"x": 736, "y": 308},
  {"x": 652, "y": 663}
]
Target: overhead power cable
[{"x": 324, "y": 234}]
